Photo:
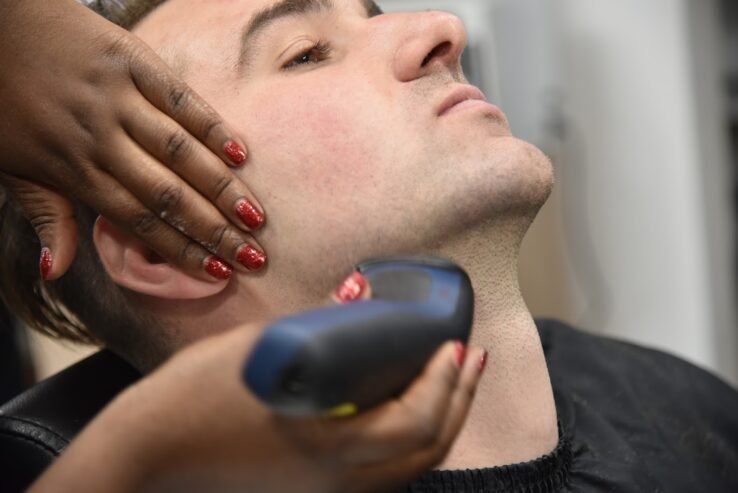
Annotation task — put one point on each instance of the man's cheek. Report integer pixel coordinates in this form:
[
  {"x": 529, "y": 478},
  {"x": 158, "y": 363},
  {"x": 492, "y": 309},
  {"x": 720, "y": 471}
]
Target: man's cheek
[{"x": 322, "y": 143}]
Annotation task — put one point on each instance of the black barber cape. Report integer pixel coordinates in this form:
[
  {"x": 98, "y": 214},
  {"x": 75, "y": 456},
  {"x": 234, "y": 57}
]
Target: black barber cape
[{"x": 630, "y": 419}]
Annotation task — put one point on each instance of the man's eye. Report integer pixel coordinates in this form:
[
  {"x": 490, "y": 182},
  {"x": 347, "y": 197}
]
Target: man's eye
[{"x": 317, "y": 53}]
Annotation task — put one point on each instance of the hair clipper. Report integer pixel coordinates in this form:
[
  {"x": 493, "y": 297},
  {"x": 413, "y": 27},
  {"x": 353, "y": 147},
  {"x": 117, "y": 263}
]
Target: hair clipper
[{"x": 342, "y": 359}]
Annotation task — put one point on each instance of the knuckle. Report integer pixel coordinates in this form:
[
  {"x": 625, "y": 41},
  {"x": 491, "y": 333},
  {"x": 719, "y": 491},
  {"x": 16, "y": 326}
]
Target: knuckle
[
  {"x": 144, "y": 223},
  {"x": 187, "y": 252},
  {"x": 177, "y": 146},
  {"x": 218, "y": 238},
  {"x": 86, "y": 119},
  {"x": 178, "y": 98},
  {"x": 117, "y": 48},
  {"x": 167, "y": 199},
  {"x": 42, "y": 222},
  {"x": 114, "y": 48},
  {"x": 81, "y": 173},
  {"x": 223, "y": 184},
  {"x": 86, "y": 128},
  {"x": 210, "y": 126}
]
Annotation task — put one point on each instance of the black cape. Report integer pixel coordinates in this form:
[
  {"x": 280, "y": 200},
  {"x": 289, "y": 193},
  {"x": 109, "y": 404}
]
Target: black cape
[{"x": 631, "y": 420}]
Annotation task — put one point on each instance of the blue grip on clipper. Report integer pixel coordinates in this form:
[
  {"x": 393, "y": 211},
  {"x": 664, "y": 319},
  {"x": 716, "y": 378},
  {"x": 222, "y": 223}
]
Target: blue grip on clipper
[{"x": 355, "y": 356}]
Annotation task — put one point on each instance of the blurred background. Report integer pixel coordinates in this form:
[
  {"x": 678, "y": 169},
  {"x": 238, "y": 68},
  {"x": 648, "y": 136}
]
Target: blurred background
[{"x": 637, "y": 105}]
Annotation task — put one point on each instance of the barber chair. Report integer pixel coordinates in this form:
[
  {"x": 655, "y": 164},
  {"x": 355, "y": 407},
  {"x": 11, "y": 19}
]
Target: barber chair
[{"x": 38, "y": 424}]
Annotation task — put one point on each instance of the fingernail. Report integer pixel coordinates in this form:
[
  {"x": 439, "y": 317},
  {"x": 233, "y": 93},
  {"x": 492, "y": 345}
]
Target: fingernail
[
  {"x": 352, "y": 288},
  {"x": 460, "y": 353},
  {"x": 483, "y": 362},
  {"x": 218, "y": 269},
  {"x": 250, "y": 257},
  {"x": 235, "y": 152},
  {"x": 249, "y": 214},
  {"x": 45, "y": 263}
]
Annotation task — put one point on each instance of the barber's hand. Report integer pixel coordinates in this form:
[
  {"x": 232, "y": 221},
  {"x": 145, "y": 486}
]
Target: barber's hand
[
  {"x": 91, "y": 112},
  {"x": 192, "y": 426}
]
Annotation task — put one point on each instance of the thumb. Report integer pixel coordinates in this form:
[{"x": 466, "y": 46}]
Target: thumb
[{"x": 52, "y": 216}]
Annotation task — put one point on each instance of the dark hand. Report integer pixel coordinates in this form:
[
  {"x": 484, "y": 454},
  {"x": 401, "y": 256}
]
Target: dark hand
[
  {"x": 193, "y": 426},
  {"x": 91, "y": 112}
]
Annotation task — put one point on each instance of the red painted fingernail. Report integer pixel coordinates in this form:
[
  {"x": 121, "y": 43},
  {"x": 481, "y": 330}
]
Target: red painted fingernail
[
  {"x": 460, "y": 353},
  {"x": 45, "y": 263},
  {"x": 235, "y": 152},
  {"x": 249, "y": 214},
  {"x": 352, "y": 288},
  {"x": 483, "y": 362},
  {"x": 218, "y": 269},
  {"x": 251, "y": 258}
]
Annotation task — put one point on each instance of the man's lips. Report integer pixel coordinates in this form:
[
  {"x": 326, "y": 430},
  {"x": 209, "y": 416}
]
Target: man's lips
[{"x": 465, "y": 96}]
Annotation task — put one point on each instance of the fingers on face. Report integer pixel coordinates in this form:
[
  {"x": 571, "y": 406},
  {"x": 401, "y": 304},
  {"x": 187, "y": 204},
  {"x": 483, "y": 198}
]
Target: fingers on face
[
  {"x": 185, "y": 156},
  {"x": 52, "y": 216},
  {"x": 167, "y": 92},
  {"x": 168, "y": 199},
  {"x": 122, "y": 208}
]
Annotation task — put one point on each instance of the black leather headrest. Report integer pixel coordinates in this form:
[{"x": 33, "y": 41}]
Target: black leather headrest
[{"x": 39, "y": 423}]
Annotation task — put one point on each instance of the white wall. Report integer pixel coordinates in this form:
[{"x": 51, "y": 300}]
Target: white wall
[{"x": 648, "y": 172}]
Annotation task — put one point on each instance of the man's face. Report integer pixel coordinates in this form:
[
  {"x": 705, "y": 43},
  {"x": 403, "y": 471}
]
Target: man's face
[{"x": 351, "y": 152}]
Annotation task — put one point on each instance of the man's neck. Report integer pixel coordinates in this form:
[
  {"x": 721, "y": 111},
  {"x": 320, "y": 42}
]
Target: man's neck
[{"x": 513, "y": 418}]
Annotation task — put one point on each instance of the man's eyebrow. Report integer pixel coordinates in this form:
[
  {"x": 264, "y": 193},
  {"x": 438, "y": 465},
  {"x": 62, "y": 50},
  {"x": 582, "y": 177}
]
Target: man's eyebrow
[
  {"x": 372, "y": 9},
  {"x": 278, "y": 11},
  {"x": 289, "y": 8}
]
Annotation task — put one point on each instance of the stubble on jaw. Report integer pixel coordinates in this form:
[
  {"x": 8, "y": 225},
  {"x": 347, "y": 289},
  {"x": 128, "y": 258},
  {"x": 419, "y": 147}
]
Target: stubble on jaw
[{"x": 495, "y": 187}]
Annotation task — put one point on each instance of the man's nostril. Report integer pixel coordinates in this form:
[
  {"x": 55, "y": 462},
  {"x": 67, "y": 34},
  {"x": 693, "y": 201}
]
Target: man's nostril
[{"x": 439, "y": 51}]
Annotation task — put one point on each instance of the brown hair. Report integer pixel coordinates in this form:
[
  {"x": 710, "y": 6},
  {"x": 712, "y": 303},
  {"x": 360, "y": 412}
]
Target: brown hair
[
  {"x": 84, "y": 305},
  {"x": 125, "y": 13}
]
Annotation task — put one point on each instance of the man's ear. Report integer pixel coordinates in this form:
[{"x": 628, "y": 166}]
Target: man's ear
[{"x": 133, "y": 265}]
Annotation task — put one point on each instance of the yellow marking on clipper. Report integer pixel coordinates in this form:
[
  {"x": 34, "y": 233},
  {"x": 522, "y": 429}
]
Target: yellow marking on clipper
[{"x": 343, "y": 410}]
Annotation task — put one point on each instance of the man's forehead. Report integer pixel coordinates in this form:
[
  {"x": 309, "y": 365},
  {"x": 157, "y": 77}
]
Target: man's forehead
[
  {"x": 218, "y": 28},
  {"x": 227, "y": 13},
  {"x": 182, "y": 38},
  {"x": 175, "y": 15}
]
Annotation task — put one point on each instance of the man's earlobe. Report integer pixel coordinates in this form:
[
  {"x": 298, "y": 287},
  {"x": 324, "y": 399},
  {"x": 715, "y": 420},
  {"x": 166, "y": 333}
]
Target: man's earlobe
[{"x": 133, "y": 265}]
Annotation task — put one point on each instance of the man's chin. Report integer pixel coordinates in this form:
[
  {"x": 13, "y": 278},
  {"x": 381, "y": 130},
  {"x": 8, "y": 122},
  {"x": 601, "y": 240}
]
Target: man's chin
[{"x": 498, "y": 178}]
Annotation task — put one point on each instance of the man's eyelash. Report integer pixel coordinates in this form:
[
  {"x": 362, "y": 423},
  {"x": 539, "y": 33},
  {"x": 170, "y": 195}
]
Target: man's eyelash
[{"x": 316, "y": 54}]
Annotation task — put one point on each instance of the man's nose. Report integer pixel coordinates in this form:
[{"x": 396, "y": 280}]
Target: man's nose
[{"x": 432, "y": 42}]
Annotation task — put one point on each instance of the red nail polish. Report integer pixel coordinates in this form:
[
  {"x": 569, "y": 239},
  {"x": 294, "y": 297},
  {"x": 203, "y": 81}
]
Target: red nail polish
[
  {"x": 45, "y": 263},
  {"x": 235, "y": 152},
  {"x": 218, "y": 269},
  {"x": 483, "y": 362},
  {"x": 251, "y": 258},
  {"x": 249, "y": 214},
  {"x": 352, "y": 288},
  {"x": 460, "y": 353}
]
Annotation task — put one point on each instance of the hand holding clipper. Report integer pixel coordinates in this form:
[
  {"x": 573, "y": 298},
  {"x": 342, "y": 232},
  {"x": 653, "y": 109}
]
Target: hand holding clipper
[{"x": 343, "y": 359}]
